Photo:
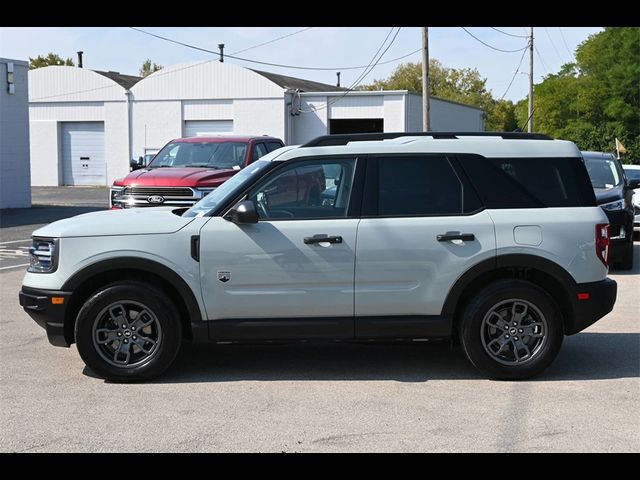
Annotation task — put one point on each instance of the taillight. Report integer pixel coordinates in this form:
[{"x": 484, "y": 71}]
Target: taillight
[{"x": 602, "y": 243}]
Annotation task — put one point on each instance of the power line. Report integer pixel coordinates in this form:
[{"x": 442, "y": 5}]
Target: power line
[
  {"x": 544, "y": 66},
  {"x": 514, "y": 74},
  {"x": 372, "y": 64},
  {"x": 507, "y": 33},
  {"x": 546, "y": 30},
  {"x": 491, "y": 46},
  {"x": 272, "y": 41},
  {"x": 268, "y": 63},
  {"x": 571, "y": 55}
]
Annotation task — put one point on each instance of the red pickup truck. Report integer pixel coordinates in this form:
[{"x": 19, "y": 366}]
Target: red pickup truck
[{"x": 187, "y": 169}]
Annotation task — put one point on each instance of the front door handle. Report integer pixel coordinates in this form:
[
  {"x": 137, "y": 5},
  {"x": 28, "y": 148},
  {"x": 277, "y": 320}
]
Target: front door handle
[
  {"x": 465, "y": 237},
  {"x": 322, "y": 238}
]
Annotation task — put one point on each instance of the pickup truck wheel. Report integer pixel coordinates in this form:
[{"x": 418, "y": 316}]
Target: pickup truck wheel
[
  {"x": 128, "y": 331},
  {"x": 511, "y": 330}
]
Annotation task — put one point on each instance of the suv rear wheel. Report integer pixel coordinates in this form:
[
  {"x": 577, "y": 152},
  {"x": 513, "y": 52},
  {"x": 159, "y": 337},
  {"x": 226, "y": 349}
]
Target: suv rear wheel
[
  {"x": 511, "y": 330},
  {"x": 128, "y": 331}
]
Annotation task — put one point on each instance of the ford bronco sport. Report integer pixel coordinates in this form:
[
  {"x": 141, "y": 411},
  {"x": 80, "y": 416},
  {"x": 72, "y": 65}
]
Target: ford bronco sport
[{"x": 493, "y": 238}]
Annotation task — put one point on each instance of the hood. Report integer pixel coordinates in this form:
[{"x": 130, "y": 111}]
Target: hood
[
  {"x": 134, "y": 221},
  {"x": 177, "y": 177},
  {"x": 606, "y": 195}
]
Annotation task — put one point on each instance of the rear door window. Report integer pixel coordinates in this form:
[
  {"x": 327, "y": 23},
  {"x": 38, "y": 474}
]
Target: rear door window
[{"x": 529, "y": 182}]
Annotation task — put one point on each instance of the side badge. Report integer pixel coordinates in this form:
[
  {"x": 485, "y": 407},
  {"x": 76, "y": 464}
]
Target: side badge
[{"x": 224, "y": 277}]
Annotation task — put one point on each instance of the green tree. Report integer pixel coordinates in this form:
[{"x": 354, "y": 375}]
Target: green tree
[
  {"x": 149, "y": 67},
  {"x": 50, "y": 59},
  {"x": 596, "y": 99},
  {"x": 464, "y": 85}
]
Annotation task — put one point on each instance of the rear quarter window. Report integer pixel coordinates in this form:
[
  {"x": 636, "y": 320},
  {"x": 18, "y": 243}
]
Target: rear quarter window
[{"x": 525, "y": 182}]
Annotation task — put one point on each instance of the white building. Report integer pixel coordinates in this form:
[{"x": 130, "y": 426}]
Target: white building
[
  {"x": 86, "y": 125},
  {"x": 15, "y": 186}
]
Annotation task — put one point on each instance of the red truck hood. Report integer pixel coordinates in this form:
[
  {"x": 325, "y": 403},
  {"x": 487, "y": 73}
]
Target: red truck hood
[{"x": 177, "y": 177}]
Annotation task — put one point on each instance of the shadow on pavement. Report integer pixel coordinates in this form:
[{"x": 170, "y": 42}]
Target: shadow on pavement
[
  {"x": 586, "y": 356},
  {"x": 40, "y": 214}
]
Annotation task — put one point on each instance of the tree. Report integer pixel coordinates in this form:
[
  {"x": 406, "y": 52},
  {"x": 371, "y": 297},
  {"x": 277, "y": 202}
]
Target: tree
[
  {"x": 50, "y": 59},
  {"x": 459, "y": 85},
  {"x": 148, "y": 68},
  {"x": 596, "y": 99}
]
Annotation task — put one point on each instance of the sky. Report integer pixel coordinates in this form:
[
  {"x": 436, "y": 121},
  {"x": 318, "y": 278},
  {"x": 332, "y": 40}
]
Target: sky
[{"x": 123, "y": 49}]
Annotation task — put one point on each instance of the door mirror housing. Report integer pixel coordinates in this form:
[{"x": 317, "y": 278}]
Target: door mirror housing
[
  {"x": 136, "y": 164},
  {"x": 243, "y": 212}
]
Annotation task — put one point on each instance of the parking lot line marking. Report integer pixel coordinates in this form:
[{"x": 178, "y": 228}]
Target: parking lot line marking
[
  {"x": 14, "y": 266},
  {"x": 15, "y": 241}
]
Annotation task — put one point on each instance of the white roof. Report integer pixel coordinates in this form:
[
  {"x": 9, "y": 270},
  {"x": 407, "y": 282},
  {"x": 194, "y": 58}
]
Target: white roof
[{"x": 485, "y": 146}]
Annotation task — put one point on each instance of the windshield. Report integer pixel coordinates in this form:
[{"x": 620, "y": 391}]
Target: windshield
[
  {"x": 218, "y": 155},
  {"x": 603, "y": 172},
  {"x": 228, "y": 189},
  {"x": 632, "y": 173}
]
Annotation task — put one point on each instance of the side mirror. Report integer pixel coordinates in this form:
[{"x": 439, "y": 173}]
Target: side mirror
[
  {"x": 243, "y": 212},
  {"x": 136, "y": 164},
  {"x": 634, "y": 183}
]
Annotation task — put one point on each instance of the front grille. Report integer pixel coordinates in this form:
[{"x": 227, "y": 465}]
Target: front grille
[
  {"x": 134, "y": 197},
  {"x": 164, "y": 191}
]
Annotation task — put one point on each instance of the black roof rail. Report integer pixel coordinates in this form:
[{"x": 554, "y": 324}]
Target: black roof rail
[{"x": 343, "y": 139}]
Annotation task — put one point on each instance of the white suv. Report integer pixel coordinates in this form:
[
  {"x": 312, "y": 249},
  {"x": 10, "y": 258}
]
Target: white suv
[{"x": 494, "y": 239}]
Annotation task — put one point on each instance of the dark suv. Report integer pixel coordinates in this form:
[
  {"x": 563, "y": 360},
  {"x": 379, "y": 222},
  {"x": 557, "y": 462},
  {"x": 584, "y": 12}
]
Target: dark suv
[{"x": 614, "y": 194}]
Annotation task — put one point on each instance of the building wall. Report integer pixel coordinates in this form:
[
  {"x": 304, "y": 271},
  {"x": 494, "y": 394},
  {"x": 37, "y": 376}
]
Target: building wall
[
  {"x": 155, "y": 123},
  {"x": 44, "y": 141},
  {"x": 445, "y": 116},
  {"x": 15, "y": 189},
  {"x": 307, "y": 125},
  {"x": 259, "y": 117}
]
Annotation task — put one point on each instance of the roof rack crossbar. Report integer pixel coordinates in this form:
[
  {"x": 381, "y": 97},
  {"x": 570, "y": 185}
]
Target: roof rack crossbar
[{"x": 343, "y": 139}]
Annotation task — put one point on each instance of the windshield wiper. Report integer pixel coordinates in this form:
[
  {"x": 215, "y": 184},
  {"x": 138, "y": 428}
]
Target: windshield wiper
[{"x": 205, "y": 165}]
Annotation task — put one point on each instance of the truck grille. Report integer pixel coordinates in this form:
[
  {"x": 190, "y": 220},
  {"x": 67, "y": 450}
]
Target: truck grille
[
  {"x": 135, "y": 197},
  {"x": 164, "y": 191}
]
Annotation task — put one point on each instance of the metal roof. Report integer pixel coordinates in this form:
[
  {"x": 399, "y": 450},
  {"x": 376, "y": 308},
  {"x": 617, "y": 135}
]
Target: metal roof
[
  {"x": 298, "y": 83},
  {"x": 125, "y": 81}
]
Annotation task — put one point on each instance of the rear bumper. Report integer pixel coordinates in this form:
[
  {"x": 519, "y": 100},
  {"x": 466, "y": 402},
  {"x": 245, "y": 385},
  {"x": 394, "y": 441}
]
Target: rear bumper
[
  {"x": 591, "y": 302},
  {"x": 38, "y": 304}
]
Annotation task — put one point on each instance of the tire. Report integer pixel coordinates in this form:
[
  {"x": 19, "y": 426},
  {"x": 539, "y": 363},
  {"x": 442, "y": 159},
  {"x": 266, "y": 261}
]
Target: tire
[
  {"x": 152, "y": 327},
  {"x": 625, "y": 261},
  {"x": 542, "y": 320}
]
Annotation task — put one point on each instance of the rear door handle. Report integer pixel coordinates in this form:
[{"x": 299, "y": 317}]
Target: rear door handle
[
  {"x": 323, "y": 238},
  {"x": 466, "y": 237}
]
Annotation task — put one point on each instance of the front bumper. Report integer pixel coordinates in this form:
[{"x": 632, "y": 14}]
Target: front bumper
[
  {"x": 591, "y": 302},
  {"x": 50, "y": 316}
]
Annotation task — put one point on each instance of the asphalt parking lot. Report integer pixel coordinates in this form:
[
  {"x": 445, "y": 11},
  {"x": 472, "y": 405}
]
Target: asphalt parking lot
[{"x": 300, "y": 398}]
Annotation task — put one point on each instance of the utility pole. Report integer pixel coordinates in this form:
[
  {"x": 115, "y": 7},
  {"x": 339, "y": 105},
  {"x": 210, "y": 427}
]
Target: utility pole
[
  {"x": 530, "y": 123},
  {"x": 426, "y": 124}
]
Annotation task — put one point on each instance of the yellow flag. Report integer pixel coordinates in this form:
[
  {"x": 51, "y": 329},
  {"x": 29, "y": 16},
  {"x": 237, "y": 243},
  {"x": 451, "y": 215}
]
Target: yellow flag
[{"x": 619, "y": 147}]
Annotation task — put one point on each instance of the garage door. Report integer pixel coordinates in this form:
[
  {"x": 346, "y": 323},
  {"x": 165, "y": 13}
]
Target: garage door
[
  {"x": 83, "y": 160},
  {"x": 202, "y": 128}
]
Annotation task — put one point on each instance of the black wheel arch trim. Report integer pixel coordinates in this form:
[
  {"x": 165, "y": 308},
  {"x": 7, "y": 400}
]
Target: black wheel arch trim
[
  {"x": 144, "y": 265},
  {"x": 500, "y": 262}
]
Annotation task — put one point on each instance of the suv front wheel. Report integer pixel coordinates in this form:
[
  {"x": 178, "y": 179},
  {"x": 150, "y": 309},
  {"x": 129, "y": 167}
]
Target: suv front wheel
[
  {"x": 128, "y": 331},
  {"x": 511, "y": 330}
]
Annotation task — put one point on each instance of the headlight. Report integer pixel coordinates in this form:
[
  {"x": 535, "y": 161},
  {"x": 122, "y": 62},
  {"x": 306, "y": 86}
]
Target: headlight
[
  {"x": 114, "y": 196},
  {"x": 43, "y": 255},
  {"x": 204, "y": 191},
  {"x": 617, "y": 205}
]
